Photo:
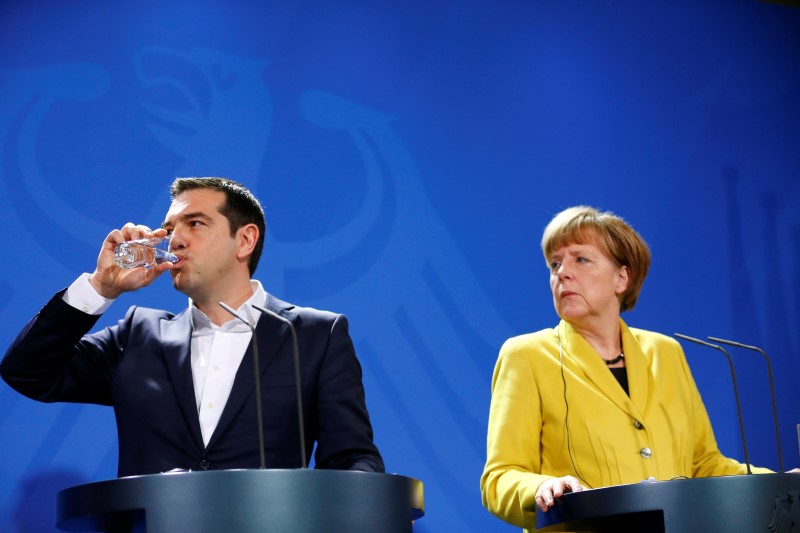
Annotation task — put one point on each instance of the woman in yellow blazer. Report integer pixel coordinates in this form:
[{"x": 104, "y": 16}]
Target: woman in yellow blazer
[{"x": 592, "y": 402}]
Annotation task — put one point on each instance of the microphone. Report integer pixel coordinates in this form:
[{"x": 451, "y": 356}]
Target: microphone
[
  {"x": 735, "y": 390},
  {"x": 771, "y": 389},
  {"x": 297, "y": 384},
  {"x": 257, "y": 372}
]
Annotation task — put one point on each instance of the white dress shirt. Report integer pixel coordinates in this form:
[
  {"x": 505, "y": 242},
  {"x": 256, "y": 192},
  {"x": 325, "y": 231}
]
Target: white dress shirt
[{"x": 216, "y": 351}]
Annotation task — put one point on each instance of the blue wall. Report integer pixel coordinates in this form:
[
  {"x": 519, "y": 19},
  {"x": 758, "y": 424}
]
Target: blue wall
[{"x": 409, "y": 155}]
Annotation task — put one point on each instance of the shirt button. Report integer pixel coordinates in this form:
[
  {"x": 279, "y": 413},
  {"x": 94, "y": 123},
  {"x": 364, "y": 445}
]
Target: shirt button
[
  {"x": 638, "y": 425},
  {"x": 646, "y": 453},
  {"x": 210, "y": 405}
]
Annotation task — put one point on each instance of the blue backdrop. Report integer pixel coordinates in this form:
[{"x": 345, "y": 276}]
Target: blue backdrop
[{"x": 408, "y": 155}]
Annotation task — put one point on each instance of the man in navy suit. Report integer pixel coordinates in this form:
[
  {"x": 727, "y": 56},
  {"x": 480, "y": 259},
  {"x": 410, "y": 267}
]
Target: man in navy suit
[{"x": 182, "y": 386}]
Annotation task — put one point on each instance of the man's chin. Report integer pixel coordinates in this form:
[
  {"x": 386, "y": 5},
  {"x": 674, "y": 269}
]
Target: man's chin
[{"x": 178, "y": 279}]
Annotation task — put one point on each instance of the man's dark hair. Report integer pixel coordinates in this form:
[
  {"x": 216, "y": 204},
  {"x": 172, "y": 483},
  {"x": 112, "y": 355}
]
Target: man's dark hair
[{"x": 240, "y": 207}]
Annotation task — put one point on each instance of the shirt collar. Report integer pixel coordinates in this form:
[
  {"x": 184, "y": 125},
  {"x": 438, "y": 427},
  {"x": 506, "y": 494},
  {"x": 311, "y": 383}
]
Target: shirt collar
[{"x": 202, "y": 325}]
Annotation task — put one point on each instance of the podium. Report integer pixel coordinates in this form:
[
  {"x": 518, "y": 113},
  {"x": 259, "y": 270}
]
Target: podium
[
  {"x": 239, "y": 501},
  {"x": 730, "y": 504}
]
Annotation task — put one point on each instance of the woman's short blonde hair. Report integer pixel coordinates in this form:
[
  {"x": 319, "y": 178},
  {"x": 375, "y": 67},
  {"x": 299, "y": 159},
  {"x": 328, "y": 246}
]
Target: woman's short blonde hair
[{"x": 609, "y": 232}]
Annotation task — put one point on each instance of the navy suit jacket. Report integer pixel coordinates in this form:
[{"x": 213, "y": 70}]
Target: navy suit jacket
[{"x": 142, "y": 367}]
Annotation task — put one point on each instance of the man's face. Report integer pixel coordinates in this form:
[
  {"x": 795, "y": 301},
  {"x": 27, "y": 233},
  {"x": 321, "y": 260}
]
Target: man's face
[{"x": 201, "y": 238}]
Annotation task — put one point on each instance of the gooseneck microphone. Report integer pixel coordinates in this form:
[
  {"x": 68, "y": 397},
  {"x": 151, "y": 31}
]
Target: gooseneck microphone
[
  {"x": 297, "y": 384},
  {"x": 257, "y": 372},
  {"x": 735, "y": 390},
  {"x": 771, "y": 389}
]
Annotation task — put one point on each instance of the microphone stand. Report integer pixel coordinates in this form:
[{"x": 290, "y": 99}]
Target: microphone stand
[
  {"x": 257, "y": 373},
  {"x": 771, "y": 389},
  {"x": 735, "y": 390},
  {"x": 297, "y": 384}
]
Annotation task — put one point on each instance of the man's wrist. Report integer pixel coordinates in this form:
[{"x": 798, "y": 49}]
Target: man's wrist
[{"x": 83, "y": 295}]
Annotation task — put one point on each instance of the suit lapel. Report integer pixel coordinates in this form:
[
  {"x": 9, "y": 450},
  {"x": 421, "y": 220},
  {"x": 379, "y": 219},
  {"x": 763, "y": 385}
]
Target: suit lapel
[
  {"x": 594, "y": 369},
  {"x": 176, "y": 342},
  {"x": 637, "y": 363},
  {"x": 271, "y": 333}
]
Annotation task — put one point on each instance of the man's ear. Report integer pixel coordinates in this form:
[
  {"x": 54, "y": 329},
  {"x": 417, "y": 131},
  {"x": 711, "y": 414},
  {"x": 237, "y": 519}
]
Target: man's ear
[{"x": 247, "y": 237}]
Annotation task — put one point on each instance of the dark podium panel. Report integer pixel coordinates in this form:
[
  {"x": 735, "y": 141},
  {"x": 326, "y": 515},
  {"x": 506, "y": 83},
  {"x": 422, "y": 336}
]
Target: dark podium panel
[
  {"x": 731, "y": 504},
  {"x": 236, "y": 501}
]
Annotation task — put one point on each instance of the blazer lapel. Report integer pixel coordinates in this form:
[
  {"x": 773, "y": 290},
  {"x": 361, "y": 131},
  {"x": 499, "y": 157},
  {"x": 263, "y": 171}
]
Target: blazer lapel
[
  {"x": 271, "y": 333},
  {"x": 176, "y": 342},
  {"x": 593, "y": 368},
  {"x": 637, "y": 365}
]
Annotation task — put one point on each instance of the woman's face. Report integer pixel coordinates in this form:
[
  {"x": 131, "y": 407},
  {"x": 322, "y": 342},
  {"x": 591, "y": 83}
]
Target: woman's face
[{"x": 586, "y": 283}]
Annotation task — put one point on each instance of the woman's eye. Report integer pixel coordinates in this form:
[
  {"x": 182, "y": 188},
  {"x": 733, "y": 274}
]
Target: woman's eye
[{"x": 554, "y": 265}]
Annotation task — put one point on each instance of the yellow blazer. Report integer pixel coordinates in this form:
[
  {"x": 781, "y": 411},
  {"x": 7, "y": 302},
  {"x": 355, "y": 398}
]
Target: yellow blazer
[{"x": 543, "y": 423}]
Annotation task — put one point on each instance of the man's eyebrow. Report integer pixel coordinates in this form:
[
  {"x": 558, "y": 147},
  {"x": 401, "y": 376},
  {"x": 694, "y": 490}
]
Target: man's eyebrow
[{"x": 187, "y": 216}]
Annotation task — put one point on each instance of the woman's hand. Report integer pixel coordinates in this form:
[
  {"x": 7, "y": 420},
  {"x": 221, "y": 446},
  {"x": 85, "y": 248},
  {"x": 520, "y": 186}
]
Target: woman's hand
[{"x": 554, "y": 488}]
